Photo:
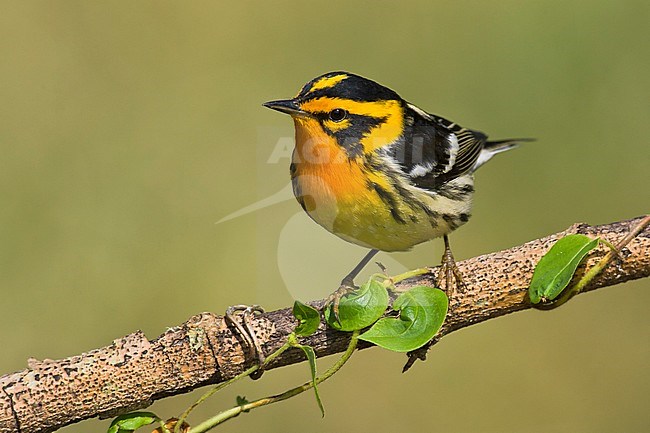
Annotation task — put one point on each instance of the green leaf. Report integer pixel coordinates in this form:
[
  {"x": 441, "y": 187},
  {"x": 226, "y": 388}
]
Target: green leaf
[
  {"x": 241, "y": 400},
  {"x": 422, "y": 312},
  {"x": 132, "y": 421},
  {"x": 309, "y": 319},
  {"x": 360, "y": 308},
  {"x": 311, "y": 357},
  {"x": 555, "y": 270}
]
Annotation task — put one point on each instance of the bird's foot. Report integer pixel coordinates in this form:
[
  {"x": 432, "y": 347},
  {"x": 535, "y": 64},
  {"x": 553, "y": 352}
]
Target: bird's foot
[
  {"x": 347, "y": 286},
  {"x": 450, "y": 274},
  {"x": 245, "y": 329}
]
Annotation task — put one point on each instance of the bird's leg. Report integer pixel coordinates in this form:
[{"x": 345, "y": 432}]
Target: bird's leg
[
  {"x": 449, "y": 271},
  {"x": 347, "y": 284},
  {"x": 245, "y": 329}
]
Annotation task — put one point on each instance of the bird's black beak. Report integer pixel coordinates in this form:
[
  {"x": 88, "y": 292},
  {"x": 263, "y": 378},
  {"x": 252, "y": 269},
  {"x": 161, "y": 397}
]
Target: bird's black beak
[{"x": 288, "y": 106}]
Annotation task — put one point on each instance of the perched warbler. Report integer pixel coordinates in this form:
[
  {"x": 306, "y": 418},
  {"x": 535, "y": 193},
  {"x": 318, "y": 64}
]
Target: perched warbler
[{"x": 380, "y": 172}]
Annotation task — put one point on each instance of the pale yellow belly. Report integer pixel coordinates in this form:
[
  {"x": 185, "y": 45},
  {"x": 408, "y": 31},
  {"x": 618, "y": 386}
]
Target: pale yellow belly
[{"x": 362, "y": 217}]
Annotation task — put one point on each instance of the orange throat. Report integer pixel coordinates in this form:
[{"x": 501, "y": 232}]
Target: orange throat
[{"x": 322, "y": 166}]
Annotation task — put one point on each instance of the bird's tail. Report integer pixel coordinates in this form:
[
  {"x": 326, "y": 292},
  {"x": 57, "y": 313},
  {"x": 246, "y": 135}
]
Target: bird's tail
[
  {"x": 498, "y": 146},
  {"x": 493, "y": 147}
]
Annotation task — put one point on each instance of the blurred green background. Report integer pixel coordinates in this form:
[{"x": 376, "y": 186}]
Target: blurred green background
[{"x": 128, "y": 129}]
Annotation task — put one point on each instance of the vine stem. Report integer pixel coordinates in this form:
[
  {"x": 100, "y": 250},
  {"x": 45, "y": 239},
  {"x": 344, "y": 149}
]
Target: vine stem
[
  {"x": 408, "y": 274},
  {"x": 221, "y": 386},
  {"x": 613, "y": 252},
  {"x": 235, "y": 411},
  {"x": 389, "y": 282}
]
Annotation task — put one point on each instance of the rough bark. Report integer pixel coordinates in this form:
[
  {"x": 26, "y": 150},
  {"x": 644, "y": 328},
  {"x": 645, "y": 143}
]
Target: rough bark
[{"x": 133, "y": 371}]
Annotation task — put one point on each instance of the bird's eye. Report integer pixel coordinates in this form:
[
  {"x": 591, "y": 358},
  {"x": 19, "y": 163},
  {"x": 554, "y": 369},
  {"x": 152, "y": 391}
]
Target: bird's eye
[{"x": 338, "y": 114}]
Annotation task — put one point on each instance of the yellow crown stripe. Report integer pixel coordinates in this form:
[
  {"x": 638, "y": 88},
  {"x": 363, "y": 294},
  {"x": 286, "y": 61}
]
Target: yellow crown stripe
[{"x": 327, "y": 82}]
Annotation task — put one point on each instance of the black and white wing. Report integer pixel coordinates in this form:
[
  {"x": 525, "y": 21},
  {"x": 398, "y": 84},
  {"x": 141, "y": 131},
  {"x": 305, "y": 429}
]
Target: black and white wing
[{"x": 435, "y": 150}]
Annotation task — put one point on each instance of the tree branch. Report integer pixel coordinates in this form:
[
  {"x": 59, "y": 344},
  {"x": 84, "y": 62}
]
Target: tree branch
[{"x": 133, "y": 372}]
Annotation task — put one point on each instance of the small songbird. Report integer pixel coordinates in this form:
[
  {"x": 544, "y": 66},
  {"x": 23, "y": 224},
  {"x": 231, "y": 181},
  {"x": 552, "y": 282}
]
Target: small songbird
[{"x": 380, "y": 172}]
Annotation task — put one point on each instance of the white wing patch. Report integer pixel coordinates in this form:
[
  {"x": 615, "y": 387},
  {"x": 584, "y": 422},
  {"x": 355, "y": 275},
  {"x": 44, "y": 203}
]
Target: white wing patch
[
  {"x": 420, "y": 170},
  {"x": 453, "y": 152}
]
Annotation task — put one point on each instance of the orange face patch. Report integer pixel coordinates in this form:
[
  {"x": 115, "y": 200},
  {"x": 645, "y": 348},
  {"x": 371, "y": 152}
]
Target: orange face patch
[
  {"x": 320, "y": 157},
  {"x": 387, "y": 131}
]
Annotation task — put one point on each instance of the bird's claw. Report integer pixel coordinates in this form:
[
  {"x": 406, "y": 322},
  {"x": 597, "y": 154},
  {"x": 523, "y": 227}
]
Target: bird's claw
[
  {"x": 450, "y": 274},
  {"x": 245, "y": 329},
  {"x": 334, "y": 299}
]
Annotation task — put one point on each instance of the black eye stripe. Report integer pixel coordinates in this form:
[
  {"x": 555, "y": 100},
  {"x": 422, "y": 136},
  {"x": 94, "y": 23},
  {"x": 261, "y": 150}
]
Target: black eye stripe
[
  {"x": 358, "y": 122},
  {"x": 358, "y": 128}
]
